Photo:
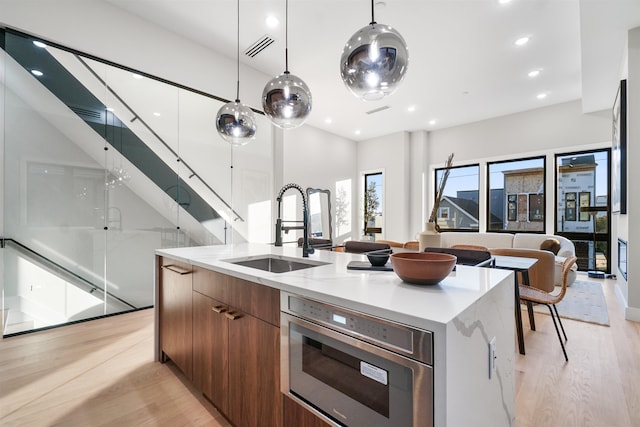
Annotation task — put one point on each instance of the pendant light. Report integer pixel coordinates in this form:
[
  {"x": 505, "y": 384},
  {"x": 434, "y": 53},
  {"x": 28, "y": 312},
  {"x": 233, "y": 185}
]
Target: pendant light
[
  {"x": 286, "y": 99},
  {"x": 235, "y": 121},
  {"x": 374, "y": 61}
]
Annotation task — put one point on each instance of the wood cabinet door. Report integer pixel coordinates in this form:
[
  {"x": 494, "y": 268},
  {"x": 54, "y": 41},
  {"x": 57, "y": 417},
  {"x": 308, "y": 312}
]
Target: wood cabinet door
[
  {"x": 175, "y": 314},
  {"x": 254, "y": 373},
  {"x": 259, "y": 301},
  {"x": 295, "y": 415},
  {"x": 211, "y": 350}
]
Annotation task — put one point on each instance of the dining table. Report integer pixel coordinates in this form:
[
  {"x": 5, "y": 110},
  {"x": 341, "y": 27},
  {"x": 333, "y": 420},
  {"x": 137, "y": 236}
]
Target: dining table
[{"x": 520, "y": 265}]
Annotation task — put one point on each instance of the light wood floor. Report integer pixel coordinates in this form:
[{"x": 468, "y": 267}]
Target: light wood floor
[
  {"x": 98, "y": 373},
  {"x": 599, "y": 386},
  {"x": 102, "y": 373}
]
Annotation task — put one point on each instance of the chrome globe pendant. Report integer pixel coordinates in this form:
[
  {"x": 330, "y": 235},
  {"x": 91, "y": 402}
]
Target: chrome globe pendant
[
  {"x": 374, "y": 61},
  {"x": 235, "y": 122},
  {"x": 286, "y": 99}
]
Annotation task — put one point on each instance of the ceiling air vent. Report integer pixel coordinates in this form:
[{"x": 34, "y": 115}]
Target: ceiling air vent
[
  {"x": 377, "y": 110},
  {"x": 258, "y": 46}
]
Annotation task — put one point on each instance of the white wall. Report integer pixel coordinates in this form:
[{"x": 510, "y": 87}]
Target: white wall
[
  {"x": 2, "y": 266},
  {"x": 318, "y": 159},
  {"x": 392, "y": 155},
  {"x": 418, "y": 174},
  {"x": 630, "y": 291},
  {"x": 554, "y": 128}
]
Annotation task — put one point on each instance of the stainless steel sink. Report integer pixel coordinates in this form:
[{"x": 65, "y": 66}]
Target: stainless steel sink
[{"x": 274, "y": 263}]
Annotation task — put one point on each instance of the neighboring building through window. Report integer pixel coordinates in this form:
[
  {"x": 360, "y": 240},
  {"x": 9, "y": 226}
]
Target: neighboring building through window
[
  {"x": 576, "y": 185},
  {"x": 458, "y": 207},
  {"x": 522, "y": 185},
  {"x": 582, "y": 206}
]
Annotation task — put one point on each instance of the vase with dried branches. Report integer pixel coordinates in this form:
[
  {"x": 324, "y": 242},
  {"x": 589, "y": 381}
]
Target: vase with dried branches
[{"x": 430, "y": 237}]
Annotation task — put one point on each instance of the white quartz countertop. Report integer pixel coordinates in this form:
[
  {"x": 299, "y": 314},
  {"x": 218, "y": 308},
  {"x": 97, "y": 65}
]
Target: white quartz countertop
[{"x": 378, "y": 293}]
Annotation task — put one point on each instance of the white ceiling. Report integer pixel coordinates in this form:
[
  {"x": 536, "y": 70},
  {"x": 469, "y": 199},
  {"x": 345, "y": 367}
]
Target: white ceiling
[{"x": 463, "y": 64}]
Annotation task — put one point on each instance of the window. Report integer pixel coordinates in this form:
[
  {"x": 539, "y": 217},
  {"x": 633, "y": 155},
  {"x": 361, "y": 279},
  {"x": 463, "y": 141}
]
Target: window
[
  {"x": 343, "y": 208},
  {"x": 516, "y": 195},
  {"x": 459, "y": 203},
  {"x": 512, "y": 207},
  {"x": 536, "y": 207},
  {"x": 585, "y": 202},
  {"x": 443, "y": 213},
  {"x": 373, "y": 197},
  {"x": 570, "y": 206},
  {"x": 583, "y": 181}
]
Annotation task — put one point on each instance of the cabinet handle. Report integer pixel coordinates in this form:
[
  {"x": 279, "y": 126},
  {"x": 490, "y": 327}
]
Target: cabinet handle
[
  {"x": 232, "y": 316},
  {"x": 176, "y": 269},
  {"x": 219, "y": 309}
]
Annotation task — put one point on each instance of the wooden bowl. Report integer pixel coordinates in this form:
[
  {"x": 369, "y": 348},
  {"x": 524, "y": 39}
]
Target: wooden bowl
[{"x": 422, "y": 268}]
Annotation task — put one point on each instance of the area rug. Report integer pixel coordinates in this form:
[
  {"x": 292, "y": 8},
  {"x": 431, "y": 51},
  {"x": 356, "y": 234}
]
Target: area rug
[{"x": 584, "y": 301}]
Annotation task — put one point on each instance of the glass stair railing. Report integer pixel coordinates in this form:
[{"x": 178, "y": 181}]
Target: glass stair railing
[
  {"x": 57, "y": 295},
  {"x": 89, "y": 108},
  {"x": 90, "y": 193}
]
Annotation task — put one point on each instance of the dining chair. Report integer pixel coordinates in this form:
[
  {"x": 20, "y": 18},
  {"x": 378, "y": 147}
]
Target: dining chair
[
  {"x": 534, "y": 295},
  {"x": 411, "y": 244},
  {"x": 472, "y": 247},
  {"x": 357, "y": 247},
  {"x": 391, "y": 243}
]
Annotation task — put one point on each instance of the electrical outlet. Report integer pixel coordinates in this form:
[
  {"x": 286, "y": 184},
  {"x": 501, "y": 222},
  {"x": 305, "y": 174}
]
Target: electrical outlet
[{"x": 492, "y": 356}]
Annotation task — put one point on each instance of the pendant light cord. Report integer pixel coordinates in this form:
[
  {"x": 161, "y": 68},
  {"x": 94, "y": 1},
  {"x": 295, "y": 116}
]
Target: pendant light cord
[
  {"x": 286, "y": 37},
  {"x": 238, "y": 55},
  {"x": 373, "y": 19}
]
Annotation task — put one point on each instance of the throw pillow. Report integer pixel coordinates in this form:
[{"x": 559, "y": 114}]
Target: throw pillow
[{"x": 550, "y": 244}]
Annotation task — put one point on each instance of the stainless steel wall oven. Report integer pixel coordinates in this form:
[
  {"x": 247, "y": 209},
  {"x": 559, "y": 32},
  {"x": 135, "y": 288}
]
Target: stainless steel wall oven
[{"x": 356, "y": 369}]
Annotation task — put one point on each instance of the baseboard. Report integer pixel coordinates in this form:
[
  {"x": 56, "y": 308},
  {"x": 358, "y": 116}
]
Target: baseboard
[{"x": 630, "y": 313}]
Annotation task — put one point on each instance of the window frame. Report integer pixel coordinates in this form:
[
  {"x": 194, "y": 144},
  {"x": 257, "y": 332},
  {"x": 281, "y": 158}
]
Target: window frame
[
  {"x": 436, "y": 184},
  {"x": 488, "y": 188}
]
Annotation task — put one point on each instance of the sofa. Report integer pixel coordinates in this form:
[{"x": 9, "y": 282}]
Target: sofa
[{"x": 531, "y": 241}]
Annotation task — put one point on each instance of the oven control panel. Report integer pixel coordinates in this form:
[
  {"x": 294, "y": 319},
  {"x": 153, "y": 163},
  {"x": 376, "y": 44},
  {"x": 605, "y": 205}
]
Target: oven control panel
[{"x": 411, "y": 341}]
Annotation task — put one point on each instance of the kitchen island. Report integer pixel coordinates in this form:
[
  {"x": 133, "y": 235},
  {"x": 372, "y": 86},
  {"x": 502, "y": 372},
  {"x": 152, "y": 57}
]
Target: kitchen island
[{"x": 473, "y": 381}]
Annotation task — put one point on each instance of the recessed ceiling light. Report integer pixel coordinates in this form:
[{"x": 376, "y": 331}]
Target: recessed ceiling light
[
  {"x": 38, "y": 43},
  {"x": 37, "y": 73},
  {"x": 136, "y": 76},
  {"x": 433, "y": 122},
  {"x": 411, "y": 109},
  {"x": 534, "y": 73},
  {"x": 541, "y": 95},
  {"x": 522, "y": 41},
  {"x": 272, "y": 21},
  {"x": 504, "y": 1},
  {"x": 357, "y": 132},
  {"x": 156, "y": 114},
  {"x": 328, "y": 120}
]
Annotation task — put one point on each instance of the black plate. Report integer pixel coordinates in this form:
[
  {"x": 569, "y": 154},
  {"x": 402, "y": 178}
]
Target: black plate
[{"x": 366, "y": 265}]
